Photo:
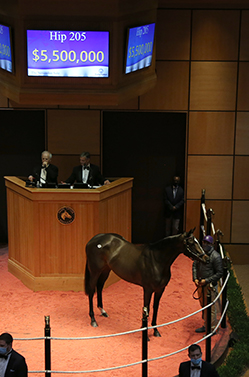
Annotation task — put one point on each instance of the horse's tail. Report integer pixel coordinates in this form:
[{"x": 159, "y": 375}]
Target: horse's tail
[{"x": 87, "y": 280}]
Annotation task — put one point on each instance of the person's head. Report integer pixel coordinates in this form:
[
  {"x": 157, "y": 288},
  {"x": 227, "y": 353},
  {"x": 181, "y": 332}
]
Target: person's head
[
  {"x": 176, "y": 180},
  {"x": 46, "y": 156},
  {"x": 194, "y": 353},
  {"x": 6, "y": 341},
  {"x": 207, "y": 243},
  {"x": 85, "y": 158}
]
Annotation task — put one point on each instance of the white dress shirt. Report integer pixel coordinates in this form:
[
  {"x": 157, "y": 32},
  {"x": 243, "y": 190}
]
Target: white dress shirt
[
  {"x": 195, "y": 372},
  {"x": 3, "y": 364},
  {"x": 43, "y": 176},
  {"x": 85, "y": 173}
]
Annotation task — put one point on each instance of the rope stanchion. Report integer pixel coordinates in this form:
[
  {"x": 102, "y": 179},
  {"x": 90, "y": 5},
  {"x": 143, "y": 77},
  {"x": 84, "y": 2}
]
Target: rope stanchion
[
  {"x": 47, "y": 332},
  {"x": 202, "y": 215},
  {"x": 145, "y": 342},
  {"x": 208, "y": 329}
]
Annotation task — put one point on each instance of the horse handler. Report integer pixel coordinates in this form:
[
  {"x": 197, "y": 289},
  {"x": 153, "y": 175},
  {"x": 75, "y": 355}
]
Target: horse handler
[{"x": 206, "y": 276}]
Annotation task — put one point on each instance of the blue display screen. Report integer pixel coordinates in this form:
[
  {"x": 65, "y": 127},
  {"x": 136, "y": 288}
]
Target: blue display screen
[
  {"x": 140, "y": 47},
  {"x": 5, "y": 49},
  {"x": 68, "y": 53}
]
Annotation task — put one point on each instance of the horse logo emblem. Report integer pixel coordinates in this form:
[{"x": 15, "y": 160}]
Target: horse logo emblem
[{"x": 66, "y": 215}]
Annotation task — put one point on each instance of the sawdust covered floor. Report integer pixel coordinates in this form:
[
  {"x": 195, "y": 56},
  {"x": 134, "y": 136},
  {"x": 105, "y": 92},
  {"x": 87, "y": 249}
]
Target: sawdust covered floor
[{"x": 23, "y": 313}]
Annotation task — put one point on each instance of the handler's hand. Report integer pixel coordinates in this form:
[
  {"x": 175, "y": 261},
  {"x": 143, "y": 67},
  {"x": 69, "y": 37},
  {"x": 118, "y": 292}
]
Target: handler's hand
[{"x": 202, "y": 282}]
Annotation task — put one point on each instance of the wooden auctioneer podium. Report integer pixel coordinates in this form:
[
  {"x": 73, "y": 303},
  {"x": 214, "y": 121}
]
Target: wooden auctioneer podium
[{"x": 48, "y": 230}]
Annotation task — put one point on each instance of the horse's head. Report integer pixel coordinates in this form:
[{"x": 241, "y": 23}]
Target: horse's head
[{"x": 193, "y": 248}]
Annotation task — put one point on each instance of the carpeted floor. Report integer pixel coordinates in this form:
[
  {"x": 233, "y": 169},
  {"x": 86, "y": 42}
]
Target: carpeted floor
[{"x": 23, "y": 314}]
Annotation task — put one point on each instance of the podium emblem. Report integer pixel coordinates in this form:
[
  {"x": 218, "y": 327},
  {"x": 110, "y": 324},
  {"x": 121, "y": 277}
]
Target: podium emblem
[{"x": 66, "y": 215}]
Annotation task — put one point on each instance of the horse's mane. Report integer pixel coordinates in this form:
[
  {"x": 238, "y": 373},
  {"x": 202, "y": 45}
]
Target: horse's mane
[{"x": 159, "y": 245}]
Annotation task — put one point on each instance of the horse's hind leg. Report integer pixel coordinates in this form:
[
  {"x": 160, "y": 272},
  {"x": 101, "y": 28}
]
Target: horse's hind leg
[
  {"x": 91, "y": 312},
  {"x": 90, "y": 284},
  {"x": 157, "y": 297},
  {"x": 100, "y": 284}
]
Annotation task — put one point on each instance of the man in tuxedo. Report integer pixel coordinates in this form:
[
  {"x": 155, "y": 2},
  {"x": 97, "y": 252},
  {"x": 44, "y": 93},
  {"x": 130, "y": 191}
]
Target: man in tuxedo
[
  {"x": 87, "y": 173},
  {"x": 196, "y": 367},
  {"x": 11, "y": 362},
  {"x": 46, "y": 172},
  {"x": 173, "y": 200}
]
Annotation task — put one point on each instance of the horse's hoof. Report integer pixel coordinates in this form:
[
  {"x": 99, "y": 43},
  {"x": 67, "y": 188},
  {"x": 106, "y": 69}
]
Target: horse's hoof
[
  {"x": 105, "y": 314},
  {"x": 157, "y": 334},
  {"x": 94, "y": 324}
]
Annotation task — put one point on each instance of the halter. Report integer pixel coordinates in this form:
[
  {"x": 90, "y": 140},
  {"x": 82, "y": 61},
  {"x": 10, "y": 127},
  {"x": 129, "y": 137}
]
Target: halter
[{"x": 194, "y": 253}]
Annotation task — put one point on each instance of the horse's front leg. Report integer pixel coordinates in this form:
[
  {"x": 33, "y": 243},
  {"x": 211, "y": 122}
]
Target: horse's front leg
[
  {"x": 147, "y": 299},
  {"x": 157, "y": 297}
]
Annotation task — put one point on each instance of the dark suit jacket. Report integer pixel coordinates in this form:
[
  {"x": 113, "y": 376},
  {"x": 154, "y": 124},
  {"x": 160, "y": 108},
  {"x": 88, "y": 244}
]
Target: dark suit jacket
[
  {"x": 95, "y": 178},
  {"x": 171, "y": 202},
  {"x": 207, "y": 370},
  {"x": 17, "y": 366},
  {"x": 52, "y": 173}
]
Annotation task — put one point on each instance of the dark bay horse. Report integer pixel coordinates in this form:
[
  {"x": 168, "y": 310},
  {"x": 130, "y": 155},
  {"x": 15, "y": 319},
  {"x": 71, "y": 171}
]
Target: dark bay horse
[{"x": 146, "y": 265}]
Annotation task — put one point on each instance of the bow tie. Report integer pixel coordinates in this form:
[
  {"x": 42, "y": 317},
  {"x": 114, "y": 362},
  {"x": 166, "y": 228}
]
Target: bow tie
[
  {"x": 86, "y": 167},
  {"x": 3, "y": 356},
  {"x": 195, "y": 367}
]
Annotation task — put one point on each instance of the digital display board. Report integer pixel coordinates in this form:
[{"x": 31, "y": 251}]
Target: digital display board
[
  {"x": 68, "y": 53},
  {"x": 139, "y": 47},
  {"x": 5, "y": 48}
]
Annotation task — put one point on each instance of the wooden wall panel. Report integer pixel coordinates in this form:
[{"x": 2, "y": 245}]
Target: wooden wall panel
[
  {"x": 17, "y": 105},
  {"x": 242, "y": 134},
  {"x": 241, "y": 178},
  {"x": 240, "y": 222},
  {"x": 197, "y": 4},
  {"x": 193, "y": 216},
  {"x": 213, "y": 86},
  {"x": 171, "y": 91},
  {"x": 75, "y": 107},
  {"x": 215, "y": 35},
  {"x": 238, "y": 253},
  {"x": 173, "y": 34},
  {"x": 244, "y": 51},
  {"x": 3, "y": 101},
  {"x": 222, "y": 217},
  {"x": 211, "y": 133},
  {"x": 213, "y": 173},
  {"x": 73, "y": 131},
  {"x": 131, "y": 104},
  {"x": 243, "y": 87}
]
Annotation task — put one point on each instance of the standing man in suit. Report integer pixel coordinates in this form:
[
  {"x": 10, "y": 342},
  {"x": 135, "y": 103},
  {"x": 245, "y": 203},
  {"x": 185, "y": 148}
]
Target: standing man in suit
[
  {"x": 12, "y": 364},
  {"x": 196, "y": 367},
  {"x": 87, "y": 172},
  {"x": 46, "y": 172},
  {"x": 173, "y": 200}
]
